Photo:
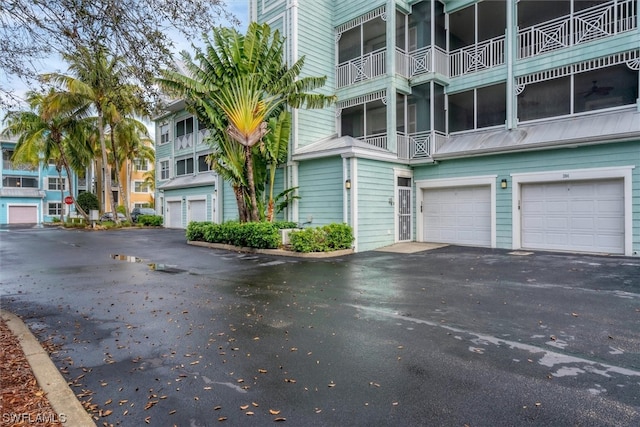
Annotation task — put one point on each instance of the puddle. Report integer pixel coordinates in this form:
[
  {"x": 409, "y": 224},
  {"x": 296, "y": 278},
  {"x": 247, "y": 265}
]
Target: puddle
[
  {"x": 126, "y": 258},
  {"x": 165, "y": 268}
]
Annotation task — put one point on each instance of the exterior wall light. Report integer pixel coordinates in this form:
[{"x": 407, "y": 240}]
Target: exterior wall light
[
  {"x": 347, "y": 184},
  {"x": 503, "y": 184}
]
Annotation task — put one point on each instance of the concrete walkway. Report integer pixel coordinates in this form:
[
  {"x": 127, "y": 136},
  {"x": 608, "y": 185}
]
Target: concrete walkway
[{"x": 411, "y": 247}]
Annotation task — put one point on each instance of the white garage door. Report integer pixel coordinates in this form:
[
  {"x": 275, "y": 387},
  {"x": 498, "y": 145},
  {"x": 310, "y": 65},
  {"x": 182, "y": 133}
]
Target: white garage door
[
  {"x": 585, "y": 216},
  {"x": 197, "y": 210},
  {"x": 174, "y": 214},
  {"x": 23, "y": 214},
  {"x": 458, "y": 215}
]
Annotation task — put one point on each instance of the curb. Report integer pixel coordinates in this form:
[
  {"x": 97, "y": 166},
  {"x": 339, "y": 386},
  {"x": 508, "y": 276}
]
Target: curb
[{"x": 62, "y": 399}]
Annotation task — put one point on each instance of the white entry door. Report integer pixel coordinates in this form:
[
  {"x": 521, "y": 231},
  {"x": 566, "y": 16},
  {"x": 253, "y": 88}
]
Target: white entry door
[
  {"x": 174, "y": 214},
  {"x": 458, "y": 215},
  {"x": 404, "y": 209},
  {"x": 584, "y": 216}
]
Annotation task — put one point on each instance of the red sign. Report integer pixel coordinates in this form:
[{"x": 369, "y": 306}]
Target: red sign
[{"x": 68, "y": 200}]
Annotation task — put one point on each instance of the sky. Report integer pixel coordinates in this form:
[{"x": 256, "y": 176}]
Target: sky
[{"x": 240, "y": 8}]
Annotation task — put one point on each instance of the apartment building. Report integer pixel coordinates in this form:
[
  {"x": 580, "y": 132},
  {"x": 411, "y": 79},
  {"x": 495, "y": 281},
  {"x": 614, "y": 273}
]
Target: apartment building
[
  {"x": 494, "y": 123},
  {"x": 31, "y": 194}
]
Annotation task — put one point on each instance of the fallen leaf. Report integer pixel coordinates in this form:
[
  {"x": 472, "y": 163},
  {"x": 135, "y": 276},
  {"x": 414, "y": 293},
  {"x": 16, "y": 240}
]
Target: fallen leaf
[
  {"x": 279, "y": 419},
  {"x": 217, "y": 408},
  {"x": 254, "y": 404},
  {"x": 243, "y": 407},
  {"x": 574, "y": 314},
  {"x": 332, "y": 384},
  {"x": 249, "y": 413},
  {"x": 274, "y": 411},
  {"x": 262, "y": 371},
  {"x": 173, "y": 411},
  {"x": 222, "y": 419},
  {"x": 147, "y": 420}
]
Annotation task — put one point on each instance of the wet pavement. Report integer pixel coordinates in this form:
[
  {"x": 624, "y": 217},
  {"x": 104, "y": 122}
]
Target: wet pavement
[{"x": 156, "y": 332}]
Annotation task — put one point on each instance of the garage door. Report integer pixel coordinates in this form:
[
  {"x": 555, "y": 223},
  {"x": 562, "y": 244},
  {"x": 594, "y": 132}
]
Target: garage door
[
  {"x": 174, "y": 214},
  {"x": 458, "y": 215},
  {"x": 197, "y": 210},
  {"x": 23, "y": 214},
  {"x": 585, "y": 216}
]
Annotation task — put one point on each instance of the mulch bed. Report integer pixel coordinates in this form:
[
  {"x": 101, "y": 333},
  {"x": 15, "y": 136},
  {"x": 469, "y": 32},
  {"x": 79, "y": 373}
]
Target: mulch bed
[{"x": 23, "y": 402}]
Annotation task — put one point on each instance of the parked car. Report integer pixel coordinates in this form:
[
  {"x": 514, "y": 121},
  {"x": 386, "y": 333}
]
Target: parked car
[
  {"x": 136, "y": 212},
  {"x": 108, "y": 216}
]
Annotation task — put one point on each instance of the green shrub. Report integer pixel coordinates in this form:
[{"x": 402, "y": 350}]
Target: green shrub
[
  {"x": 322, "y": 239},
  {"x": 150, "y": 220},
  {"x": 195, "y": 231},
  {"x": 260, "y": 235},
  {"x": 285, "y": 224},
  {"x": 87, "y": 201}
]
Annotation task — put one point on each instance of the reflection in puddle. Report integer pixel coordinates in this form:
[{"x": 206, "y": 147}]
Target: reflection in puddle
[
  {"x": 126, "y": 258},
  {"x": 167, "y": 268}
]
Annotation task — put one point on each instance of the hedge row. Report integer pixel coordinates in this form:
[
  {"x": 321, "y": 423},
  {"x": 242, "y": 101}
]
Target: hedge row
[
  {"x": 266, "y": 235},
  {"x": 327, "y": 238},
  {"x": 259, "y": 235},
  {"x": 150, "y": 220}
]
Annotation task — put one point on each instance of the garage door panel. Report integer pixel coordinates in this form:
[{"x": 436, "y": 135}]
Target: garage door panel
[
  {"x": 590, "y": 217},
  {"x": 458, "y": 215},
  {"x": 23, "y": 214}
]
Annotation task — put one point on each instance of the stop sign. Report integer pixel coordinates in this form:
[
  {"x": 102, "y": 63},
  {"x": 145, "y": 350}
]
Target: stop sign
[{"x": 68, "y": 200}]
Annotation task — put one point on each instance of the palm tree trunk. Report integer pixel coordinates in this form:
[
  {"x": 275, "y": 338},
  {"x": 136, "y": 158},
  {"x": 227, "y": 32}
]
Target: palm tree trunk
[
  {"x": 106, "y": 170},
  {"x": 251, "y": 184},
  {"x": 242, "y": 206}
]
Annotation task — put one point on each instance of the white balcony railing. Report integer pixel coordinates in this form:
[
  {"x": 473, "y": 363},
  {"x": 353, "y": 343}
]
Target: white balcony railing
[
  {"x": 424, "y": 60},
  {"x": 414, "y": 145},
  {"x": 469, "y": 59},
  {"x": 603, "y": 20},
  {"x": 202, "y": 135},
  {"x": 377, "y": 140},
  {"x": 363, "y": 68},
  {"x": 183, "y": 142}
]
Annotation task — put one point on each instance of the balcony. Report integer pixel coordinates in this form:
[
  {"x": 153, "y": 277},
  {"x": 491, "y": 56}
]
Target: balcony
[
  {"x": 424, "y": 60},
  {"x": 202, "y": 135},
  {"x": 8, "y": 165},
  {"x": 183, "y": 142},
  {"x": 590, "y": 24},
  {"x": 481, "y": 56},
  {"x": 419, "y": 145},
  {"x": 378, "y": 140},
  {"x": 365, "y": 67}
]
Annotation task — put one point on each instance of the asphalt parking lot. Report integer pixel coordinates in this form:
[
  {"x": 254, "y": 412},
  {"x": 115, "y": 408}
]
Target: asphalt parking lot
[{"x": 157, "y": 332}]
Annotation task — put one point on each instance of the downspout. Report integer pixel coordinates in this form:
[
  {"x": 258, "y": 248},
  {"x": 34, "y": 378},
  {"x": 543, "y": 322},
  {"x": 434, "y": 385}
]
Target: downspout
[{"x": 510, "y": 36}]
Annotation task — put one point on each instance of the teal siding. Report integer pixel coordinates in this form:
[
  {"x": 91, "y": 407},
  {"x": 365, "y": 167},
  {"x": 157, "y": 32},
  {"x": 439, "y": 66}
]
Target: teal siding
[
  {"x": 596, "y": 156},
  {"x": 321, "y": 187},
  {"x": 229, "y": 205},
  {"x": 316, "y": 42},
  {"x": 345, "y": 11},
  {"x": 375, "y": 213}
]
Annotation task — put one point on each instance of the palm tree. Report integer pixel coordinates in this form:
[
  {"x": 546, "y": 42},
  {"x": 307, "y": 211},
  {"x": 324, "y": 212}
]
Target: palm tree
[
  {"x": 96, "y": 86},
  {"x": 274, "y": 149},
  {"x": 130, "y": 140},
  {"x": 50, "y": 133},
  {"x": 239, "y": 81}
]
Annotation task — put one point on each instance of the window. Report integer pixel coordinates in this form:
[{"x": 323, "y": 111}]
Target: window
[
  {"x": 184, "y": 127},
  {"x": 203, "y": 164},
  {"x": 184, "y": 166},
  {"x": 19, "y": 182},
  {"x": 164, "y": 134},
  {"x": 141, "y": 165},
  {"x": 477, "y": 23},
  {"x": 57, "y": 184},
  {"x": 364, "y": 120},
  {"x": 362, "y": 39},
  {"x": 598, "y": 89},
  {"x": 140, "y": 187},
  {"x": 164, "y": 170},
  {"x": 54, "y": 208},
  {"x": 478, "y": 108}
]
